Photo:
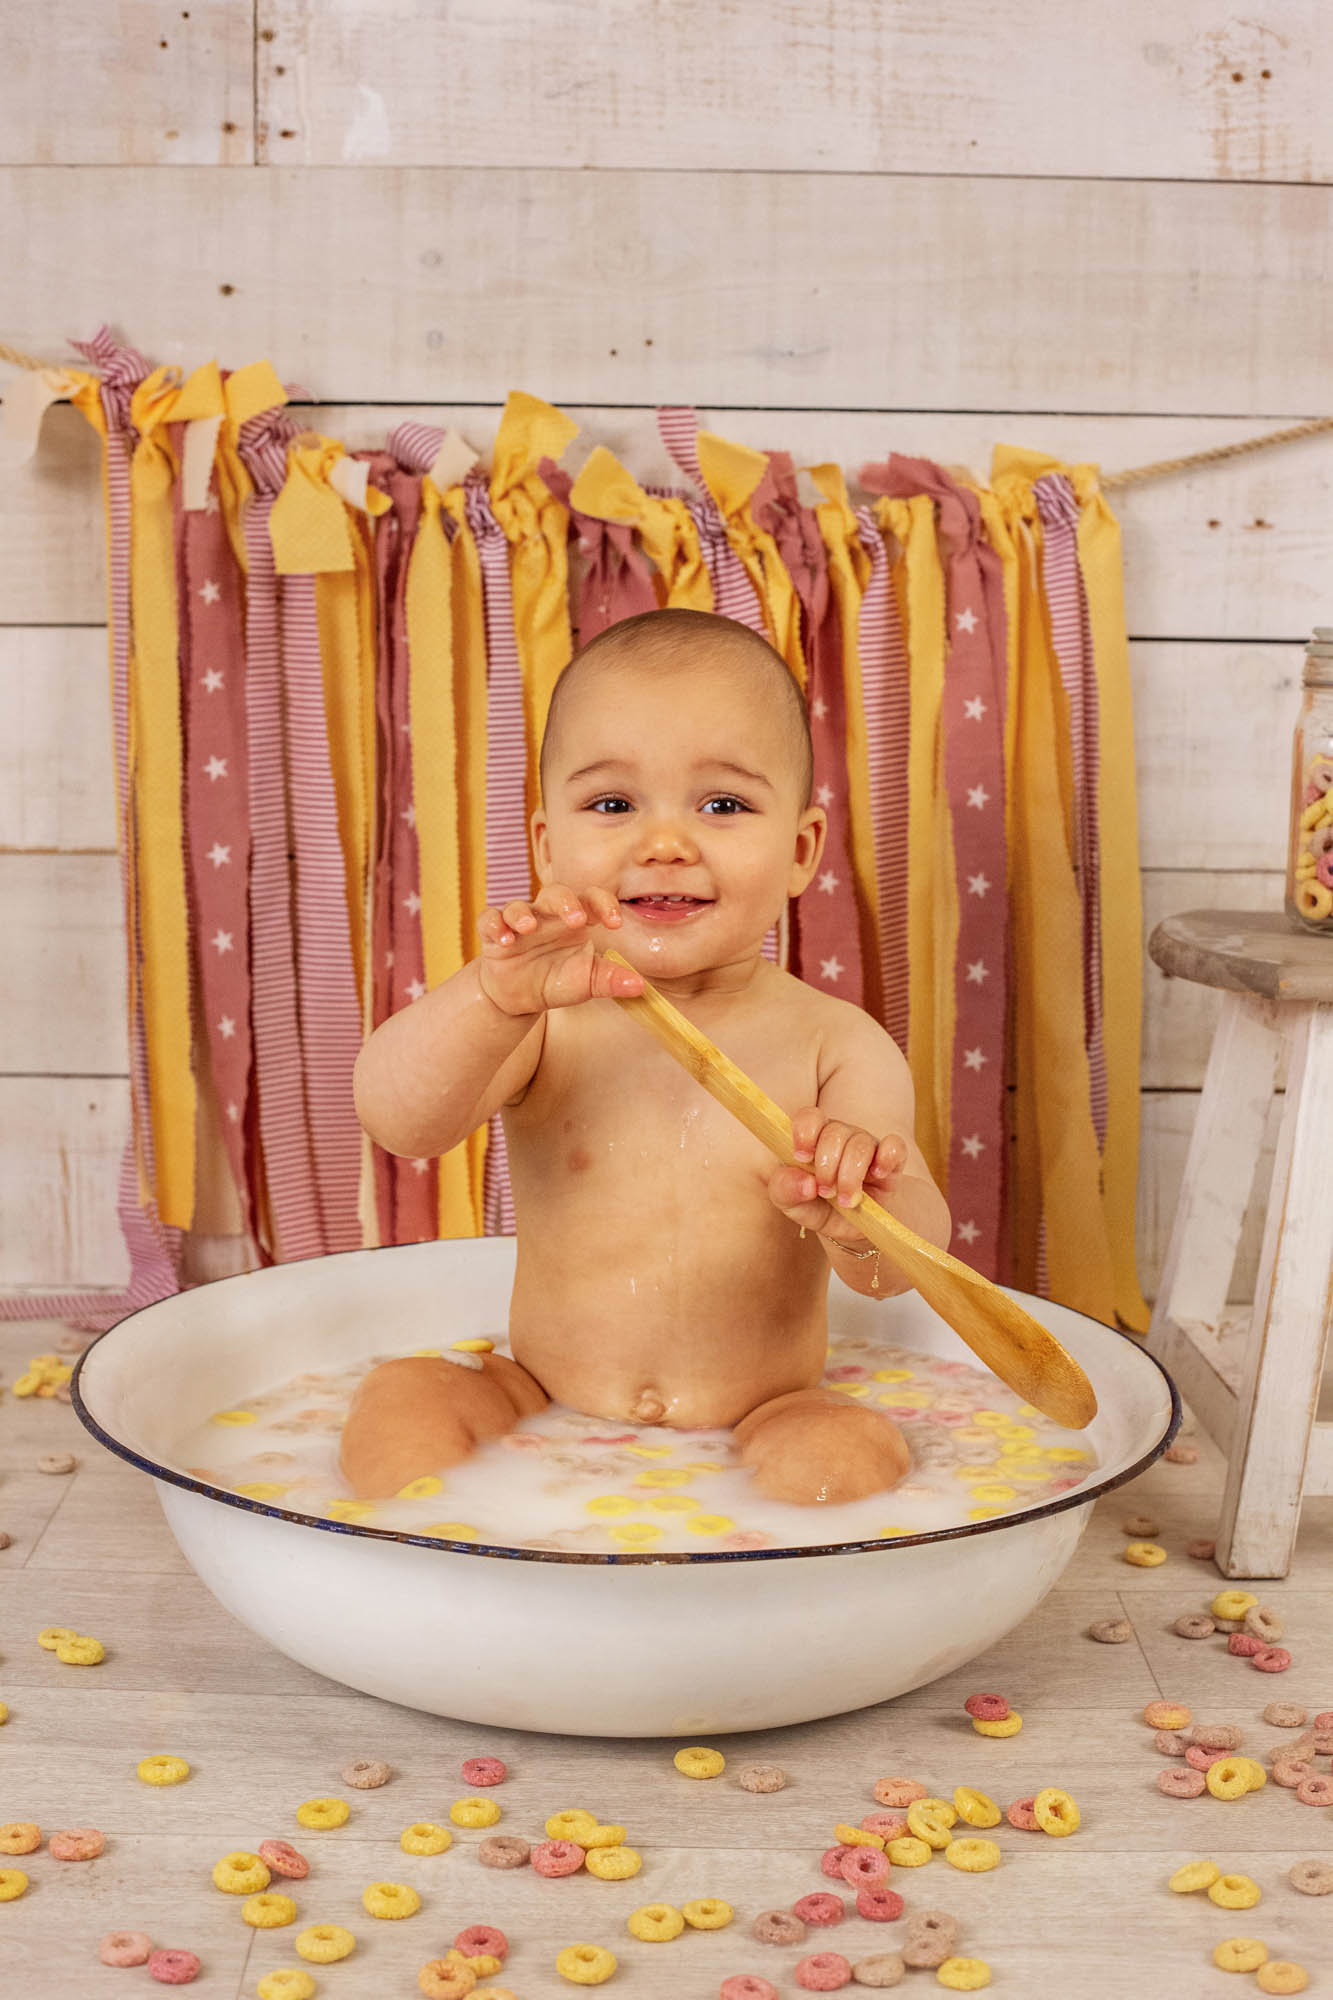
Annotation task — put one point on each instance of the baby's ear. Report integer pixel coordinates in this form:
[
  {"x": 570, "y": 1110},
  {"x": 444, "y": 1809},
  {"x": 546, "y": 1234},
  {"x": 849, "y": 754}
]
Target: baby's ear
[{"x": 541, "y": 844}]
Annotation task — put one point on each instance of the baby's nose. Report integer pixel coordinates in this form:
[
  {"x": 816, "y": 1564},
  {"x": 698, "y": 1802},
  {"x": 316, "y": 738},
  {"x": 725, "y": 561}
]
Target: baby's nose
[{"x": 667, "y": 836}]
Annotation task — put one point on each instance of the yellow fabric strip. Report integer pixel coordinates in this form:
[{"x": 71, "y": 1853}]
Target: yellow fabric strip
[
  {"x": 434, "y": 741},
  {"x": 665, "y": 528},
  {"x": 468, "y": 620},
  {"x": 337, "y": 596},
  {"x": 155, "y": 765},
  {"x": 731, "y": 474},
  {"x": 309, "y": 525}
]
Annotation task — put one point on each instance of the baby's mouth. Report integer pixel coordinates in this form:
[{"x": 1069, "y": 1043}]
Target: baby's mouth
[{"x": 666, "y": 908}]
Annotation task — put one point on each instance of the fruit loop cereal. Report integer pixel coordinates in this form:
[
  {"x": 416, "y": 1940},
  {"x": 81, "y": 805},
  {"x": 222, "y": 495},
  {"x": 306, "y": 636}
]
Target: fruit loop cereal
[
  {"x": 1265, "y": 1624},
  {"x": 1203, "y": 1760},
  {"x": 425, "y": 1837},
  {"x": 1289, "y": 1772},
  {"x": 899, "y": 1791},
  {"x": 777, "y": 1927},
  {"x": 1217, "y": 1735},
  {"x": 571, "y": 1824},
  {"x": 1285, "y": 1715},
  {"x": 1189, "y": 1784},
  {"x": 1233, "y": 1892},
  {"x": 1021, "y": 1815},
  {"x": 80, "y": 1651},
  {"x": 474, "y": 1812},
  {"x": 324, "y": 1813},
  {"x": 1232, "y": 1603},
  {"x": 1140, "y": 1527},
  {"x": 1244, "y": 1645},
  {"x": 857, "y": 1836},
  {"x": 707, "y": 1913},
  {"x": 1312, "y": 1878},
  {"x": 56, "y": 1461},
  {"x": 286, "y": 1984},
  {"x": 367, "y": 1774},
  {"x": 324, "y": 1944},
  {"x": 1315, "y": 1791},
  {"x": 1240, "y": 1954},
  {"x": 80, "y": 1843},
  {"x": 163, "y": 1770},
  {"x": 50, "y": 1637},
  {"x": 973, "y": 1856},
  {"x": 747, "y": 1986},
  {"x": 1144, "y": 1555},
  {"x": 698, "y": 1762},
  {"x": 483, "y": 1771},
  {"x": 1194, "y": 1875},
  {"x": 1169, "y": 1743},
  {"x": 283, "y": 1859},
  {"x": 240, "y": 1874},
  {"x": 604, "y": 1836},
  {"x": 447, "y": 1978},
  {"x": 1201, "y": 1551},
  {"x": 761, "y": 1778},
  {"x": 173, "y": 1968},
  {"x": 1111, "y": 1631},
  {"x": 964, "y": 1975},
  {"x": 820, "y": 1908},
  {"x": 655, "y": 1923},
  {"x": 1273, "y": 1660},
  {"x": 930, "y": 1820},
  {"x": 1228, "y": 1779},
  {"x": 585, "y": 1964},
  {"x": 13, "y": 1882},
  {"x": 613, "y": 1864},
  {"x": 1056, "y": 1812},
  {"x": 1194, "y": 1625},
  {"x": 125, "y": 1948},
  {"x": 1167, "y": 1715},
  {"x": 908, "y": 1851},
  {"x": 390, "y": 1900},
  {"x": 884, "y": 1968},
  {"x": 930, "y": 1939},
  {"x": 879, "y": 1905},
  {"x": 503, "y": 1850},
  {"x": 1008, "y": 1725},
  {"x": 557, "y": 1857},
  {"x": 20, "y": 1836},
  {"x": 823, "y": 1972},
  {"x": 990, "y": 1707},
  {"x": 1280, "y": 1975},
  {"x": 268, "y": 1911},
  {"x": 1255, "y": 1771}
]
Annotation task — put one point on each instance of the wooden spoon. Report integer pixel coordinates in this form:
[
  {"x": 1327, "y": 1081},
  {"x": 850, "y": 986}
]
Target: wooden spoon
[{"x": 1013, "y": 1345}]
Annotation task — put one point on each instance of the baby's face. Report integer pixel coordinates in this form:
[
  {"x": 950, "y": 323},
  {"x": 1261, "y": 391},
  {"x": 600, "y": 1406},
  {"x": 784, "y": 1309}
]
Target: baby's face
[{"x": 681, "y": 788}]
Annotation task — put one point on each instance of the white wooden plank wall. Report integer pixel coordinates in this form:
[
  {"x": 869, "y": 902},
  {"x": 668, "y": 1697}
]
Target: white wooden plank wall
[{"x": 840, "y": 229}]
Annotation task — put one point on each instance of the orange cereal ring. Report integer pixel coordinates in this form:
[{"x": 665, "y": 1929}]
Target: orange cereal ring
[
  {"x": 1280, "y": 1975},
  {"x": 80, "y": 1843},
  {"x": 20, "y": 1836},
  {"x": 1167, "y": 1715},
  {"x": 441, "y": 1979},
  {"x": 899, "y": 1791}
]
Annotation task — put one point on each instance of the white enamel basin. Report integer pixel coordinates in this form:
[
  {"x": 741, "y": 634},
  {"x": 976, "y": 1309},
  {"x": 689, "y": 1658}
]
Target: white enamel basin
[{"x": 694, "y": 1644}]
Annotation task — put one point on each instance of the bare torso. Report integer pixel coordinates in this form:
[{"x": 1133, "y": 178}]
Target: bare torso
[{"x": 656, "y": 1280}]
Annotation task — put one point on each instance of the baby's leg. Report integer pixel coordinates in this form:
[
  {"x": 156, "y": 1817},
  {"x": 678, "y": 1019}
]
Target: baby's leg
[
  {"x": 422, "y": 1413},
  {"x": 816, "y": 1445}
]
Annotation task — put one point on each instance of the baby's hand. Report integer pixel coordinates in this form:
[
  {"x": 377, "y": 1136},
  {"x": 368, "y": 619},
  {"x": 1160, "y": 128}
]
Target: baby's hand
[
  {"x": 844, "y": 1163},
  {"x": 538, "y": 955}
]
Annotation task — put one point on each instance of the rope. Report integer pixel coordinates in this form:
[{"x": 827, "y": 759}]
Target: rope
[{"x": 1110, "y": 480}]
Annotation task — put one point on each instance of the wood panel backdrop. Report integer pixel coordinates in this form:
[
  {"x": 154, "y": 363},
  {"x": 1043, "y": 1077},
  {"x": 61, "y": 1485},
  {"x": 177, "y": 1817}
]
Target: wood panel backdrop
[{"x": 840, "y": 230}]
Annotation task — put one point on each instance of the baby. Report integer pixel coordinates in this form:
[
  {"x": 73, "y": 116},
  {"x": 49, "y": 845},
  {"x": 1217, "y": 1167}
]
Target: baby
[{"x": 668, "y": 1270}]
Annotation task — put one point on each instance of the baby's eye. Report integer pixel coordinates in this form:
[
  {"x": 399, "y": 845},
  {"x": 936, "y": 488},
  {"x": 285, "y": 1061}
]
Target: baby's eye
[
  {"x": 613, "y": 801},
  {"x": 727, "y": 799}
]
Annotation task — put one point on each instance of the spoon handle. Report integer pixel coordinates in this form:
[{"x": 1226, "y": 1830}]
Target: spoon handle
[{"x": 1014, "y": 1345}]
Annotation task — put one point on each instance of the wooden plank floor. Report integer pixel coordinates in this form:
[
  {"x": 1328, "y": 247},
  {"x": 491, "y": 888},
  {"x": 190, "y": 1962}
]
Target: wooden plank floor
[{"x": 1083, "y": 1915}]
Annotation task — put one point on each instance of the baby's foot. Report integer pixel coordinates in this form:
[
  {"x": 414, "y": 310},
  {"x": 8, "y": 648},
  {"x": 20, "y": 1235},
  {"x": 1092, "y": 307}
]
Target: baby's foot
[
  {"x": 815, "y": 1446},
  {"x": 422, "y": 1414}
]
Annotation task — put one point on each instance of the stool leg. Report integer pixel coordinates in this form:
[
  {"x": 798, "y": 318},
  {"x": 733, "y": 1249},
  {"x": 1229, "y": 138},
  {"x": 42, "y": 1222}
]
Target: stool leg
[{"x": 1284, "y": 1355}]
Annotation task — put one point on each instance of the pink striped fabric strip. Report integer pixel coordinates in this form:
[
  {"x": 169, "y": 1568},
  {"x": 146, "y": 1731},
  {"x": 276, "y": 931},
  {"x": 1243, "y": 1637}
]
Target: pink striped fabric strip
[
  {"x": 1071, "y": 635},
  {"x": 617, "y": 578},
  {"x": 885, "y": 694}
]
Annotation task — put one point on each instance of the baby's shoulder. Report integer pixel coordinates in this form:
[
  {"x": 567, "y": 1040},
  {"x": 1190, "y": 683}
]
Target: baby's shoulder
[{"x": 838, "y": 1028}]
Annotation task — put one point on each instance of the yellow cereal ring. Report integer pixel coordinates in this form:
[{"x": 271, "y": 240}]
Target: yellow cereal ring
[
  {"x": 13, "y": 1882},
  {"x": 1313, "y": 900},
  {"x": 1022, "y": 1470},
  {"x": 908, "y": 1852},
  {"x": 852, "y": 1388},
  {"x": 420, "y": 1489},
  {"x": 1280, "y": 1975},
  {"x": 604, "y": 1836},
  {"x": 662, "y": 1476},
  {"x": 573, "y": 1823},
  {"x": 268, "y": 1911},
  {"x": 425, "y": 1838},
  {"x": 585, "y": 1964},
  {"x": 1194, "y": 1875},
  {"x": 453, "y": 1531},
  {"x": 1008, "y": 1725},
  {"x": 963, "y": 1975},
  {"x": 971, "y": 1472},
  {"x": 635, "y": 1534},
  {"x": 350, "y": 1510},
  {"x": 613, "y": 1864},
  {"x": 698, "y": 1762},
  {"x": 650, "y": 1450},
  {"x": 162, "y": 1770},
  {"x": 990, "y": 1496},
  {"x": 474, "y": 1812},
  {"x": 447, "y": 1978},
  {"x": 672, "y": 1503},
  {"x": 485, "y": 1965},
  {"x": 1233, "y": 1892},
  {"x": 54, "y": 1635},
  {"x": 1240, "y": 1954},
  {"x": 707, "y": 1913},
  {"x": 1227, "y": 1779},
  {"x": 1257, "y": 1775},
  {"x": 324, "y": 1944},
  {"x": 261, "y": 1489},
  {"x": 655, "y": 1923},
  {"x": 1144, "y": 1555},
  {"x": 856, "y": 1836},
  {"x": 324, "y": 1812},
  {"x": 240, "y": 1874},
  {"x": 1232, "y": 1603},
  {"x": 973, "y": 1856},
  {"x": 1167, "y": 1715},
  {"x": 975, "y": 1807},
  {"x": 1018, "y": 1449},
  {"x": 1055, "y": 1812},
  {"x": 990, "y": 1420},
  {"x": 390, "y": 1900},
  {"x": 20, "y": 1836},
  {"x": 610, "y": 1503},
  {"x": 27, "y": 1384},
  {"x": 232, "y": 1417},
  {"x": 930, "y": 1820},
  {"x": 984, "y": 1513},
  {"x": 478, "y": 1346},
  {"x": 1065, "y": 1454},
  {"x": 4, "y": 1712},
  {"x": 893, "y": 1375},
  {"x": 287, "y": 1983},
  {"x": 81, "y": 1651},
  {"x": 709, "y": 1524}
]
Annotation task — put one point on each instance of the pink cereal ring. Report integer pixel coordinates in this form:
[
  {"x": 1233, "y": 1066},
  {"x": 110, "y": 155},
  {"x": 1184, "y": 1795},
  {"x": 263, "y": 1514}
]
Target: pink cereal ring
[
  {"x": 1022, "y": 1815},
  {"x": 747, "y": 1986},
  {"x": 1315, "y": 1791},
  {"x": 1245, "y": 1645},
  {"x": 557, "y": 1857},
  {"x": 77, "y": 1843},
  {"x": 1324, "y": 1719},
  {"x": 878, "y": 1904},
  {"x": 830, "y": 1861},
  {"x": 823, "y": 1972},
  {"x": 483, "y": 1771},
  {"x": 479, "y": 1938},
  {"x": 1273, "y": 1660},
  {"x": 819, "y": 1908},
  {"x": 987, "y": 1707},
  {"x": 1178, "y": 1784},
  {"x": 283, "y": 1859},
  {"x": 173, "y": 1968},
  {"x": 125, "y": 1948},
  {"x": 899, "y": 1791},
  {"x": 864, "y": 1866},
  {"x": 1201, "y": 1759},
  {"x": 889, "y": 1826}
]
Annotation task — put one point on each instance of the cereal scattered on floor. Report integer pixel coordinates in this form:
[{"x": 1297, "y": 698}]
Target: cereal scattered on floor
[
  {"x": 1280, "y": 1975},
  {"x": 125, "y": 1948},
  {"x": 174, "y": 1968},
  {"x": 698, "y": 1762},
  {"x": 1234, "y": 1892},
  {"x": 162, "y": 1770},
  {"x": 1240, "y": 1954},
  {"x": 367, "y": 1774},
  {"x": 1144, "y": 1555},
  {"x": 585, "y": 1964},
  {"x": 1111, "y": 1631},
  {"x": 325, "y": 1944},
  {"x": 76, "y": 1843},
  {"x": 323, "y": 1813}
]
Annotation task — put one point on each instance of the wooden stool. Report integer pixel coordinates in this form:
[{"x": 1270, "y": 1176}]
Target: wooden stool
[{"x": 1254, "y": 1384}]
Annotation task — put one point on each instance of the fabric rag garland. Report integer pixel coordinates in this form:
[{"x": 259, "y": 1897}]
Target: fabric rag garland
[{"x": 330, "y": 672}]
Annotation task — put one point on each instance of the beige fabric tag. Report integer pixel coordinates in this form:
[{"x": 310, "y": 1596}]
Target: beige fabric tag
[
  {"x": 453, "y": 461},
  {"x": 201, "y": 442}
]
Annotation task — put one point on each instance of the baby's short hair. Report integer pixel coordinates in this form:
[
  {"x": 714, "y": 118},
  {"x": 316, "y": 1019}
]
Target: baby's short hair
[{"x": 657, "y": 639}]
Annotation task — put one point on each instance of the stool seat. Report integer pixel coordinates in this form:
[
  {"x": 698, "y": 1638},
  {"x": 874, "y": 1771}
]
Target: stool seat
[{"x": 1255, "y": 1388}]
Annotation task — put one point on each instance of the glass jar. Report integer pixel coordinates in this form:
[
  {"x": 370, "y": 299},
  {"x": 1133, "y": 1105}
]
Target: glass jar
[{"x": 1309, "y": 897}]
